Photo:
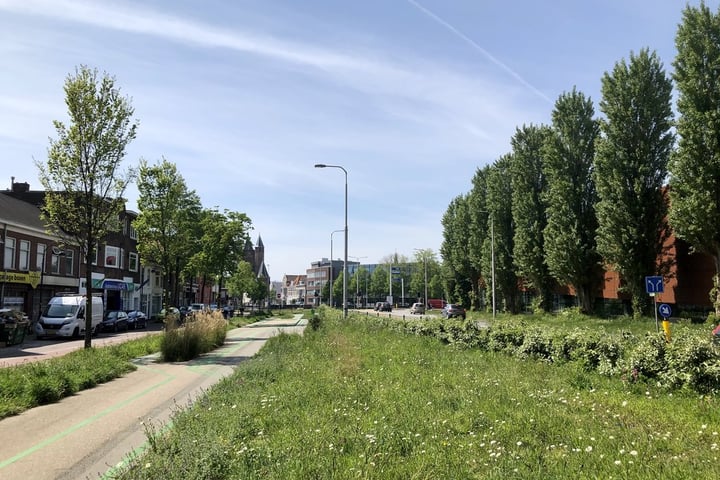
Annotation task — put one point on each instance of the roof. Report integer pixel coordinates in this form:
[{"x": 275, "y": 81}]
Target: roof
[{"x": 17, "y": 213}]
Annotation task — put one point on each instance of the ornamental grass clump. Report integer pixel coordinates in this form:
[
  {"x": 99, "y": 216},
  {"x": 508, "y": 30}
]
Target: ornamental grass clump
[{"x": 205, "y": 332}]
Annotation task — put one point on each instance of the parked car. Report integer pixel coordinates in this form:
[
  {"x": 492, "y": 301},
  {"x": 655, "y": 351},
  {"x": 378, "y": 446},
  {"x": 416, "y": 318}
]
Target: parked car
[
  {"x": 196, "y": 308},
  {"x": 383, "y": 307},
  {"x": 114, "y": 321},
  {"x": 171, "y": 314},
  {"x": 452, "y": 310},
  {"x": 136, "y": 319},
  {"x": 417, "y": 309}
]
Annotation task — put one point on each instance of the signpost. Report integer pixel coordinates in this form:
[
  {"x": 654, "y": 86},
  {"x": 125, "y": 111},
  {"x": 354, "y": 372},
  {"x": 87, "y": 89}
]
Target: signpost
[
  {"x": 653, "y": 286},
  {"x": 665, "y": 312}
]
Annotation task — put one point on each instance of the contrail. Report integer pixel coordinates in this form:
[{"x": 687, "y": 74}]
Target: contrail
[{"x": 477, "y": 47}]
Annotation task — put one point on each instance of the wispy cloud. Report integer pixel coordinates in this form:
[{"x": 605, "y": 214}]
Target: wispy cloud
[{"x": 480, "y": 49}]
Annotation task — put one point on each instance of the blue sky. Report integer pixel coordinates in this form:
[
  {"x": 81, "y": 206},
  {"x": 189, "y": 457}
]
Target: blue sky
[{"x": 245, "y": 96}]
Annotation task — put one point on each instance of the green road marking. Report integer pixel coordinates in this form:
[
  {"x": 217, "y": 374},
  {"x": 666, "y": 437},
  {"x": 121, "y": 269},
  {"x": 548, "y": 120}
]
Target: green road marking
[
  {"x": 133, "y": 454},
  {"x": 84, "y": 423}
]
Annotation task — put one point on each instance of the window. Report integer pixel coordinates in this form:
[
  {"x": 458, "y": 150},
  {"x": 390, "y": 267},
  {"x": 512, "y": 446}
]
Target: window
[
  {"x": 55, "y": 263},
  {"x": 68, "y": 260},
  {"x": 24, "y": 263},
  {"x": 112, "y": 256},
  {"x": 9, "y": 262},
  {"x": 132, "y": 232},
  {"x": 133, "y": 262},
  {"x": 40, "y": 257}
]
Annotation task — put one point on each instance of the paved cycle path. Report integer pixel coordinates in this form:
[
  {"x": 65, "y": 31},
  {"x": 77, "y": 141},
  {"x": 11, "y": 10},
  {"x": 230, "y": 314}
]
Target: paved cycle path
[{"x": 91, "y": 433}]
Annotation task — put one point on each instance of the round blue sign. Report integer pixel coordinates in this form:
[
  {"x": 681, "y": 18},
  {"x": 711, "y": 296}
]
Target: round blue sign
[{"x": 665, "y": 310}]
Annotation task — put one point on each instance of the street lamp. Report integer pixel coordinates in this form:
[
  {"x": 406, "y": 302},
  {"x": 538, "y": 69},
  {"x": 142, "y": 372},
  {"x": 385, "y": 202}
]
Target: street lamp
[
  {"x": 331, "y": 267},
  {"x": 345, "y": 270}
]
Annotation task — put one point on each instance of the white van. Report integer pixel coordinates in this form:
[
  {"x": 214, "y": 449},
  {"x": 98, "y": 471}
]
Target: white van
[{"x": 64, "y": 316}]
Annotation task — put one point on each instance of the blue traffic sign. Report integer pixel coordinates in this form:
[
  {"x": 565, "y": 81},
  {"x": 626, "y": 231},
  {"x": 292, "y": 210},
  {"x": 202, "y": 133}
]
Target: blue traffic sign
[
  {"x": 665, "y": 310},
  {"x": 654, "y": 284}
]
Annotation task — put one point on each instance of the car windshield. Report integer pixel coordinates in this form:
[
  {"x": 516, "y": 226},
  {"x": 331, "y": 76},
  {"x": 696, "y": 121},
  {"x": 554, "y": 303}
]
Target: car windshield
[
  {"x": 58, "y": 310},
  {"x": 111, "y": 315}
]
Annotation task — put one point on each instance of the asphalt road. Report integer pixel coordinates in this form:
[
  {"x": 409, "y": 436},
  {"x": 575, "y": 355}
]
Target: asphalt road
[{"x": 91, "y": 433}]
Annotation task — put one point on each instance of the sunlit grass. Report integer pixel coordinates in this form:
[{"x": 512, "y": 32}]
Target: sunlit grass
[
  {"x": 28, "y": 385},
  {"x": 355, "y": 400}
]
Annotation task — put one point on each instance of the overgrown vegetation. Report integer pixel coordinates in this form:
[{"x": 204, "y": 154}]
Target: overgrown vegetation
[
  {"x": 28, "y": 385},
  {"x": 205, "y": 332},
  {"x": 356, "y": 399}
]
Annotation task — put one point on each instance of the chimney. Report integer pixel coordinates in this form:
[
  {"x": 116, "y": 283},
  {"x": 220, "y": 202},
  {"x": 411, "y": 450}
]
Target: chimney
[{"x": 20, "y": 187}]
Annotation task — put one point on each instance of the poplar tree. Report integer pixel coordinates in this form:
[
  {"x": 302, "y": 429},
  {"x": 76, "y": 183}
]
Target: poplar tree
[
  {"x": 528, "y": 183},
  {"x": 695, "y": 169},
  {"x": 570, "y": 246},
  {"x": 630, "y": 168}
]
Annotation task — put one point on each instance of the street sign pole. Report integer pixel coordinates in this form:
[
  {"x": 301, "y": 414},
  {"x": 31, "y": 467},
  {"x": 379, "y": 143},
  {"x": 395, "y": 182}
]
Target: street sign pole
[{"x": 654, "y": 297}]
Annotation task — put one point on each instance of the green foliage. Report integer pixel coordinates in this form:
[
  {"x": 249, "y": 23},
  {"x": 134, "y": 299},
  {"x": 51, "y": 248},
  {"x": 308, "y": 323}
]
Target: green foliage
[
  {"x": 359, "y": 399},
  {"x": 499, "y": 201},
  {"x": 529, "y": 186},
  {"x": 695, "y": 168},
  {"x": 455, "y": 249},
  {"x": 630, "y": 169},
  {"x": 570, "y": 246},
  {"x": 168, "y": 222},
  {"x": 83, "y": 180},
  {"x": 26, "y": 386}
]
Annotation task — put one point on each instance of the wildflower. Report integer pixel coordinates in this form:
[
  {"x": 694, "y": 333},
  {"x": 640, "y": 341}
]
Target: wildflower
[
  {"x": 519, "y": 444},
  {"x": 618, "y": 462},
  {"x": 588, "y": 449},
  {"x": 633, "y": 453}
]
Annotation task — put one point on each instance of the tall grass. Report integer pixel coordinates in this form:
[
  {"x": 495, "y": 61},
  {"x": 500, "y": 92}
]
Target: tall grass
[
  {"x": 205, "y": 332},
  {"x": 354, "y": 399},
  {"x": 28, "y": 385}
]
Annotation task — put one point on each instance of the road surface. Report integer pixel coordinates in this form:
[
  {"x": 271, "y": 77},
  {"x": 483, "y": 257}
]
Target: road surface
[{"x": 91, "y": 433}]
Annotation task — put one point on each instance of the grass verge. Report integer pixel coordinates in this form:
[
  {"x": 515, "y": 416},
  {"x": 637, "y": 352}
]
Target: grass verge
[
  {"x": 37, "y": 383},
  {"x": 356, "y": 400}
]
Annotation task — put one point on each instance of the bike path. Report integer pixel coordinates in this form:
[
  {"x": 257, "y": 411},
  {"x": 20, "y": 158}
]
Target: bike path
[{"x": 90, "y": 434}]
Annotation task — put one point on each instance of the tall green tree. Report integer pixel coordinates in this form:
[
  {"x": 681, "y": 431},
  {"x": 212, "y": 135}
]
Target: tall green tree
[
  {"x": 379, "y": 287},
  {"x": 695, "y": 169},
  {"x": 529, "y": 185},
  {"x": 224, "y": 235},
  {"x": 570, "y": 245},
  {"x": 462, "y": 278},
  {"x": 168, "y": 224},
  {"x": 241, "y": 281},
  {"x": 83, "y": 178},
  {"x": 631, "y": 166},
  {"x": 478, "y": 230},
  {"x": 501, "y": 240}
]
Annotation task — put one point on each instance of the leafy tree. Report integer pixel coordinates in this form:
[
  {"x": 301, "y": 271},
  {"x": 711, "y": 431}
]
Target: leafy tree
[
  {"x": 242, "y": 281},
  {"x": 631, "y": 165},
  {"x": 83, "y": 180},
  {"x": 338, "y": 288},
  {"x": 221, "y": 245},
  {"x": 499, "y": 200},
  {"x": 421, "y": 273},
  {"x": 570, "y": 245},
  {"x": 358, "y": 284},
  {"x": 168, "y": 224},
  {"x": 529, "y": 187},
  {"x": 478, "y": 230},
  {"x": 695, "y": 169},
  {"x": 462, "y": 278},
  {"x": 379, "y": 282}
]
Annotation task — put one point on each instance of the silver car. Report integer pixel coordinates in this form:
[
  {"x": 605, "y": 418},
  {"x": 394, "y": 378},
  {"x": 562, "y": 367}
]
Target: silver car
[{"x": 417, "y": 309}]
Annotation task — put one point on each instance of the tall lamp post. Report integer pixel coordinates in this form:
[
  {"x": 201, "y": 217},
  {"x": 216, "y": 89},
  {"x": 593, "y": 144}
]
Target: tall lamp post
[
  {"x": 330, "y": 289},
  {"x": 345, "y": 269}
]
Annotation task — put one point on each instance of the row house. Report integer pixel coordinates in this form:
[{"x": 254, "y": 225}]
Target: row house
[
  {"x": 292, "y": 291},
  {"x": 36, "y": 267}
]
